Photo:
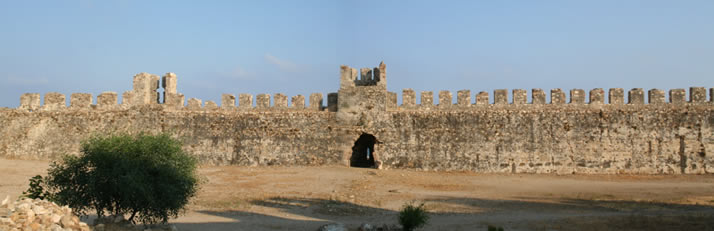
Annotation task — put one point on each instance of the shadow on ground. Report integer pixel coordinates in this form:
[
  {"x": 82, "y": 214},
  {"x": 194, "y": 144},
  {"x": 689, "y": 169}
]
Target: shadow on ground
[{"x": 452, "y": 213}]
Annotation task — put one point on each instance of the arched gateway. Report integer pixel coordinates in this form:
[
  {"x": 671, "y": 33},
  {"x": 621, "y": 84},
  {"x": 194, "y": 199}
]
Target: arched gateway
[{"x": 363, "y": 151}]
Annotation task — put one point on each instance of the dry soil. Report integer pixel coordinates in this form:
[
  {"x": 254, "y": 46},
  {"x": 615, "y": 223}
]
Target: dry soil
[{"x": 303, "y": 198}]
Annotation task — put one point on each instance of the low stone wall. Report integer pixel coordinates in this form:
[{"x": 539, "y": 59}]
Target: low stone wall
[
  {"x": 552, "y": 139},
  {"x": 648, "y": 139},
  {"x": 216, "y": 137}
]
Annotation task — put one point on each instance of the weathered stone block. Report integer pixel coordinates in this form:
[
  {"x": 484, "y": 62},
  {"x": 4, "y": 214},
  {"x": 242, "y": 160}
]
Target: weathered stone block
[
  {"x": 169, "y": 82},
  {"x": 427, "y": 98},
  {"x": 365, "y": 74},
  {"x": 380, "y": 75},
  {"x": 359, "y": 104},
  {"x": 463, "y": 98},
  {"x": 365, "y": 77},
  {"x": 332, "y": 101},
  {"x": 210, "y": 106},
  {"x": 636, "y": 96},
  {"x": 656, "y": 96},
  {"x": 316, "y": 101},
  {"x": 228, "y": 102},
  {"x": 245, "y": 101},
  {"x": 482, "y": 98},
  {"x": 145, "y": 86},
  {"x": 54, "y": 101},
  {"x": 557, "y": 96},
  {"x": 538, "y": 96},
  {"x": 391, "y": 100},
  {"x": 280, "y": 101},
  {"x": 348, "y": 77},
  {"x": 445, "y": 99},
  {"x": 616, "y": 96},
  {"x": 408, "y": 98},
  {"x": 80, "y": 100},
  {"x": 711, "y": 95},
  {"x": 298, "y": 102},
  {"x": 677, "y": 96},
  {"x": 697, "y": 94},
  {"x": 262, "y": 101},
  {"x": 500, "y": 96},
  {"x": 30, "y": 102},
  {"x": 194, "y": 104},
  {"x": 577, "y": 96},
  {"x": 597, "y": 96},
  {"x": 174, "y": 100},
  {"x": 127, "y": 99},
  {"x": 107, "y": 99},
  {"x": 520, "y": 96}
]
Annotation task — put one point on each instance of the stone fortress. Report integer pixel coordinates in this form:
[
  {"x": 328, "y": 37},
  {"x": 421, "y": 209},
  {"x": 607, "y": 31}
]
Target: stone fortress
[{"x": 362, "y": 125}]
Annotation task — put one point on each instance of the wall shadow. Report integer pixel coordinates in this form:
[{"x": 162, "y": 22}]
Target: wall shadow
[{"x": 528, "y": 214}]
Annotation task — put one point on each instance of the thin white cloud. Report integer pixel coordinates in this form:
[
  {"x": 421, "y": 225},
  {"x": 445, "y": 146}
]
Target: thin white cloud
[
  {"x": 282, "y": 64},
  {"x": 14, "y": 80},
  {"x": 238, "y": 73}
]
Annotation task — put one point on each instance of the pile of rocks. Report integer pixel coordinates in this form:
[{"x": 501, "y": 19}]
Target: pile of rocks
[{"x": 29, "y": 214}]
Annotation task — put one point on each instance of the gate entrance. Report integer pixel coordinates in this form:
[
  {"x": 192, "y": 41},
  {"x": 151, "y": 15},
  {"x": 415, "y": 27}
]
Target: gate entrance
[{"x": 363, "y": 152}]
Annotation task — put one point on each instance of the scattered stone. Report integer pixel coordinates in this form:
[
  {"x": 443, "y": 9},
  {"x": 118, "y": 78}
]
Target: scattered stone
[
  {"x": 29, "y": 214},
  {"x": 366, "y": 227},
  {"x": 56, "y": 218},
  {"x": 66, "y": 220},
  {"x": 333, "y": 227},
  {"x": 39, "y": 210},
  {"x": 386, "y": 227}
]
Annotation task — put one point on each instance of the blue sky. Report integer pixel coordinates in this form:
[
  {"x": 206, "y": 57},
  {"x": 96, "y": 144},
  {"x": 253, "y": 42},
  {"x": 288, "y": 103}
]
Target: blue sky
[{"x": 296, "y": 47}]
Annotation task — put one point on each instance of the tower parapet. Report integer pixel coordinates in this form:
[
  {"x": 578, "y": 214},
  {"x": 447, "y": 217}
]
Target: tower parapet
[
  {"x": 363, "y": 98},
  {"x": 172, "y": 99},
  {"x": 30, "y": 102},
  {"x": 145, "y": 86}
]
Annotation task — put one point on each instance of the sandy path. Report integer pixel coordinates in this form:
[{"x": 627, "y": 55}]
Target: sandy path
[{"x": 303, "y": 198}]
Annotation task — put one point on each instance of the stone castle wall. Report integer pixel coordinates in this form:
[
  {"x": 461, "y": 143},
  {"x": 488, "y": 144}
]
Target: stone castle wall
[{"x": 586, "y": 134}]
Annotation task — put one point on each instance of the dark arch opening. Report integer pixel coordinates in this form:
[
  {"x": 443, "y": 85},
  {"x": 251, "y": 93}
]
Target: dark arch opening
[{"x": 363, "y": 152}]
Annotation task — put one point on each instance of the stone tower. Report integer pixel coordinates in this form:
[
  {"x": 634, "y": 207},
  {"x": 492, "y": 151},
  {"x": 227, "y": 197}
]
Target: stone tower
[{"x": 362, "y": 98}]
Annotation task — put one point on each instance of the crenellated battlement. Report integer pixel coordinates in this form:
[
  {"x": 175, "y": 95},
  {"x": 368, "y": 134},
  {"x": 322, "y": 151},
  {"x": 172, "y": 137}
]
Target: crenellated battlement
[
  {"x": 365, "y": 91},
  {"x": 577, "y": 98},
  {"x": 611, "y": 131},
  {"x": 54, "y": 101}
]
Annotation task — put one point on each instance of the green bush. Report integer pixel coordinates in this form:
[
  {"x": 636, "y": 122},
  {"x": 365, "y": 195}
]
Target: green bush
[
  {"x": 494, "y": 228},
  {"x": 37, "y": 189},
  {"x": 412, "y": 217},
  {"x": 150, "y": 178}
]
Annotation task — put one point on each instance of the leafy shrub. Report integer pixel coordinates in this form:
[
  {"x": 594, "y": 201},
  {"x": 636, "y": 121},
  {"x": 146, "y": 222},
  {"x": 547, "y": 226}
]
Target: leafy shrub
[
  {"x": 412, "y": 217},
  {"x": 494, "y": 228},
  {"x": 37, "y": 189},
  {"x": 148, "y": 177}
]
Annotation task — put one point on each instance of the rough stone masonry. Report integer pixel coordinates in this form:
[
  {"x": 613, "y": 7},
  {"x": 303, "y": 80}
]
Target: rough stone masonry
[{"x": 362, "y": 125}]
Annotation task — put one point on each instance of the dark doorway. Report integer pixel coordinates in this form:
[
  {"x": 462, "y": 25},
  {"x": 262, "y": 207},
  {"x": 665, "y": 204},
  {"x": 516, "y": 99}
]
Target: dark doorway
[{"x": 363, "y": 152}]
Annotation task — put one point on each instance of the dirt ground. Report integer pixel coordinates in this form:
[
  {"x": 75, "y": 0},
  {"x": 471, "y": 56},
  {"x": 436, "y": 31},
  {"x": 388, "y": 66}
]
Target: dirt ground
[{"x": 303, "y": 198}]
